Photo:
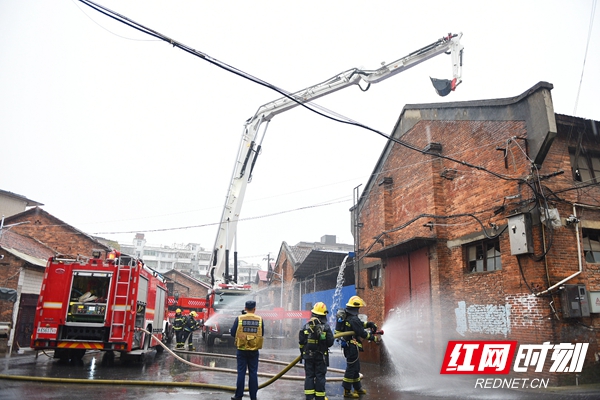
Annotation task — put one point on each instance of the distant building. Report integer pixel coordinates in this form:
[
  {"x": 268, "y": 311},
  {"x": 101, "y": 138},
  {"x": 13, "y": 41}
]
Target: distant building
[
  {"x": 12, "y": 203},
  {"x": 304, "y": 272},
  {"x": 191, "y": 259}
]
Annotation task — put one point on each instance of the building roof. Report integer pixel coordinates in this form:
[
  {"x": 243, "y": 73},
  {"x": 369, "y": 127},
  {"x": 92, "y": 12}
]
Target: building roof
[
  {"x": 25, "y": 248},
  {"x": 40, "y": 211},
  {"x": 319, "y": 261},
  {"x": 186, "y": 276},
  {"x": 261, "y": 276},
  {"x": 28, "y": 202},
  {"x": 534, "y": 107}
]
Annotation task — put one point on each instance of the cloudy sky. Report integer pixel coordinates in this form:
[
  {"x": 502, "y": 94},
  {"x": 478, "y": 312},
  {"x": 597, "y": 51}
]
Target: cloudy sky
[{"x": 117, "y": 132}]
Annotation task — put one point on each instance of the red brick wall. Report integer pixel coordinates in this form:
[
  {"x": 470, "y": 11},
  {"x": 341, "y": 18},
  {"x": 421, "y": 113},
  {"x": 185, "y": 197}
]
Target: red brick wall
[
  {"x": 54, "y": 233},
  {"x": 9, "y": 277},
  {"x": 187, "y": 287},
  {"x": 419, "y": 191}
]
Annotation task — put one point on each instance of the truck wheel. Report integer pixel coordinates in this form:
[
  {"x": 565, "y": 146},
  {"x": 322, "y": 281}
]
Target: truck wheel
[
  {"x": 108, "y": 359},
  {"x": 210, "y": 340}
]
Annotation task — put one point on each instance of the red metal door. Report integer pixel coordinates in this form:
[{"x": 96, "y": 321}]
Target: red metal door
[{"x": 408, "y": 284}]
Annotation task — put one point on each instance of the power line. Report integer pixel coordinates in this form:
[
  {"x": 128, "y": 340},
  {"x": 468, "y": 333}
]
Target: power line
[{"x": 587, "y": 45}]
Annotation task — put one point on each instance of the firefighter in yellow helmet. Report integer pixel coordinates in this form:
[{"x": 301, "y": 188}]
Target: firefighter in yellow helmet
[
  {"x": 190, "y": 326},
  {"x": 178, "y": 324},
  {"x": 352, "y": 345},
  {"x": 315, "y": 339}
]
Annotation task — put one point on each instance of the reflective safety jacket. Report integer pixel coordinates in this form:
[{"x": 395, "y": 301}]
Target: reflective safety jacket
[
  {"x": 191, "y": 324},
  {"x": 178, "y": 322},
  {"x": 353, "y": 323},
  {"x": 315, "y": 339},
  {"x": 249, "y": 332}
]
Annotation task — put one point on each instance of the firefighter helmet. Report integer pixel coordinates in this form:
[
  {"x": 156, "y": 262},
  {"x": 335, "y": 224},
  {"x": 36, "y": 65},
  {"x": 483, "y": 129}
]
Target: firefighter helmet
[
  {"x": 178, "y": 311},
  {"x": 319, "y": 309},
  {"x": 193, "y": 314},
  {"x": 356, "y": 301}
]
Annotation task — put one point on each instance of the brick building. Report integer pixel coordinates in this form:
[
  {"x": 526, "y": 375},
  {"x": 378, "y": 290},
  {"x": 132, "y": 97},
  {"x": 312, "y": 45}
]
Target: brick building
[
  {"x": 305, "y": 272},
  {"x": 183, "y": 285},
  {"x": 28, "y": 239},
  {"x": 476, "y": 216}
]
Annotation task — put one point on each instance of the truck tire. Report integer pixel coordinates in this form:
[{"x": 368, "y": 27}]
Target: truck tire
[
  {"x": 210, "y": 340},
  {"x": 108, "y": 359}
]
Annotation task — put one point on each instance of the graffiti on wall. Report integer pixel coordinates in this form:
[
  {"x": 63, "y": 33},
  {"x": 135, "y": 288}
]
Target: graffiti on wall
[
  {"x": 490, "y": 319},
  {"x": 520, "y": 310}
]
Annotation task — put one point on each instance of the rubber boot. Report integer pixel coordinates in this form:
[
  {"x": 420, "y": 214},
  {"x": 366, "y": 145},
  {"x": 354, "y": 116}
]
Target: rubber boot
[
  {"x": 348, "y": 393},
  {"x": 360, "y": 391}
]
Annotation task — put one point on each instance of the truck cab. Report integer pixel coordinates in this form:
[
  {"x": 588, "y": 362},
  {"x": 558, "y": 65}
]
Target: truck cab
[{"x": 224, "y": 305}]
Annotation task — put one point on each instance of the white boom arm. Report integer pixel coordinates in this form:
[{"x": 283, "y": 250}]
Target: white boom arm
[{"x": 249, "y": 149}]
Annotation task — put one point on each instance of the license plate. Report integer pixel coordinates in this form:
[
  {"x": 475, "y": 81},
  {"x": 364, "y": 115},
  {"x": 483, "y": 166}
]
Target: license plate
[{"x": 46, "y": 330}]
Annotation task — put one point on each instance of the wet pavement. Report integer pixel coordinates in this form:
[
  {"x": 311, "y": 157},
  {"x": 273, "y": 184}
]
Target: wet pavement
[{"x": 216, "y": 376}]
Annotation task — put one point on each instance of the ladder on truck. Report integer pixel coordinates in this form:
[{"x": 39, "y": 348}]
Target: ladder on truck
[{"x": 119, "y": 329}]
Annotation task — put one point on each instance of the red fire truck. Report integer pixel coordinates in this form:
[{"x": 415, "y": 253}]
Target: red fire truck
[
  {"x": 99, "y": 304},
  {"x": 223, "y": 305}
]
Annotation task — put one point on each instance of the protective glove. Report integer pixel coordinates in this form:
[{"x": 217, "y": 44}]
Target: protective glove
[
  {"x": 372, "y": 326},
  {"x": 323, "y": 336},
  {"x": 344, "y": 344},
  {"x": 377, "y": 339}
]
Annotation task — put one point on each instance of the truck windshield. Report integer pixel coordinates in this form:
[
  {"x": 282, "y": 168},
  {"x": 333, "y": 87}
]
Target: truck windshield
[{"x": 230, "y": 301}]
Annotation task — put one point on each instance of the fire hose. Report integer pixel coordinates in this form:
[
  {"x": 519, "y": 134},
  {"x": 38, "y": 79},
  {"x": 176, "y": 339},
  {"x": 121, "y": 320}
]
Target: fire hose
[{"x": 186, "y": 384}]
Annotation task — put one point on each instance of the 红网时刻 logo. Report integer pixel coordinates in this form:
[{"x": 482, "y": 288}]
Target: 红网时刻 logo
[{"x": 496, "y": 357}]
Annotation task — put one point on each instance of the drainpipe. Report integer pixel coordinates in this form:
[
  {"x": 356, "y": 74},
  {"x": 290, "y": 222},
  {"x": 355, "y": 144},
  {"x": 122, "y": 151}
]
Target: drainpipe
[{"x": 580, "y": 263}]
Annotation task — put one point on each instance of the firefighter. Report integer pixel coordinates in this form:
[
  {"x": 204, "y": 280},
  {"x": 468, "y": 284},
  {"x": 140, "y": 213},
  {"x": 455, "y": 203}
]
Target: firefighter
[
  {"x": 190, "y": 326},
  {"x": 248, "y": 330},
  {"x": 353, "y": 345},
  {"x": 315, "y": 339},
  {"x": 178, "y": 324}
]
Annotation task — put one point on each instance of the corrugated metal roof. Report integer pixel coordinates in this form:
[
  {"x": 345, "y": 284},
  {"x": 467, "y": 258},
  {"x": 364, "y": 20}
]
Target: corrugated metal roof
[
  {"x": 318, "y": 261},
  {"x": 25, "y": 257}
]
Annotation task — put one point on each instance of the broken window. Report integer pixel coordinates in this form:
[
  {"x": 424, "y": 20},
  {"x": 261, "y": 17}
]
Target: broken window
[
  {"x": 483, "y": 256},
  {"x": 585, "y": 167},
  {"x": 591, "y": 245},
  {"x": 375, "y": 276}
]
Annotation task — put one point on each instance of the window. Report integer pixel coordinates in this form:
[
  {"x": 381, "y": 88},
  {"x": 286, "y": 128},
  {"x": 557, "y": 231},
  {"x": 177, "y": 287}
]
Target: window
[
  {"x": 484, "y": 256},
  {"x": 586, "y": 168},
  {"x": 591, "y": 245},
  {"x": 375, "y": 276}
]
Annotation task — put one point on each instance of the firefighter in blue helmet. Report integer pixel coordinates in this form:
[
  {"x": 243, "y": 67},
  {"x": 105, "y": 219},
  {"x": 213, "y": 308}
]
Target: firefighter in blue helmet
[
  {"x": 248, "y": 330},
  {"x": 178, "y": 324},
  {"x": 315, "y": 339},
  {"x": 353, "y": 345}
]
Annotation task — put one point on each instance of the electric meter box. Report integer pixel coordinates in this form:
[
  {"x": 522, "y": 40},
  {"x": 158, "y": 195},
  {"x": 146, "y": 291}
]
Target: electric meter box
[
  {"x": 520, "y": 234},
  {"x": 594, "y": 299},
  {"x": 574, "y": 299}
]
